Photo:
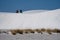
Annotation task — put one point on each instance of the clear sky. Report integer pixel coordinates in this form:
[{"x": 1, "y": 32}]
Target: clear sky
[{"x": 13, "y": 5}]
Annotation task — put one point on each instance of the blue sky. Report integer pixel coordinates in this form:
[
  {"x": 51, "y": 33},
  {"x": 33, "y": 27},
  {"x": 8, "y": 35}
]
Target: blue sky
[{"x": 13, "y": 5}]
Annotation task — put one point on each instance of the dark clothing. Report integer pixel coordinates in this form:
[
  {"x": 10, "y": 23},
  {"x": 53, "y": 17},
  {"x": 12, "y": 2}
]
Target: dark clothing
[
  {"x": 17, "y": 11},
  {"x": 20, "y": 11}
]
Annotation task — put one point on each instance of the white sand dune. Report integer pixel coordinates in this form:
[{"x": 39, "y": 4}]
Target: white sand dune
[
  {"x": 29, "y": 19},
  {"x": 30, "y": 37}
]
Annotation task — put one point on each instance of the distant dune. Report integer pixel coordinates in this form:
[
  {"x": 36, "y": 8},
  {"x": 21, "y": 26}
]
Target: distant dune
[{"x": 30, "y": 19}]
